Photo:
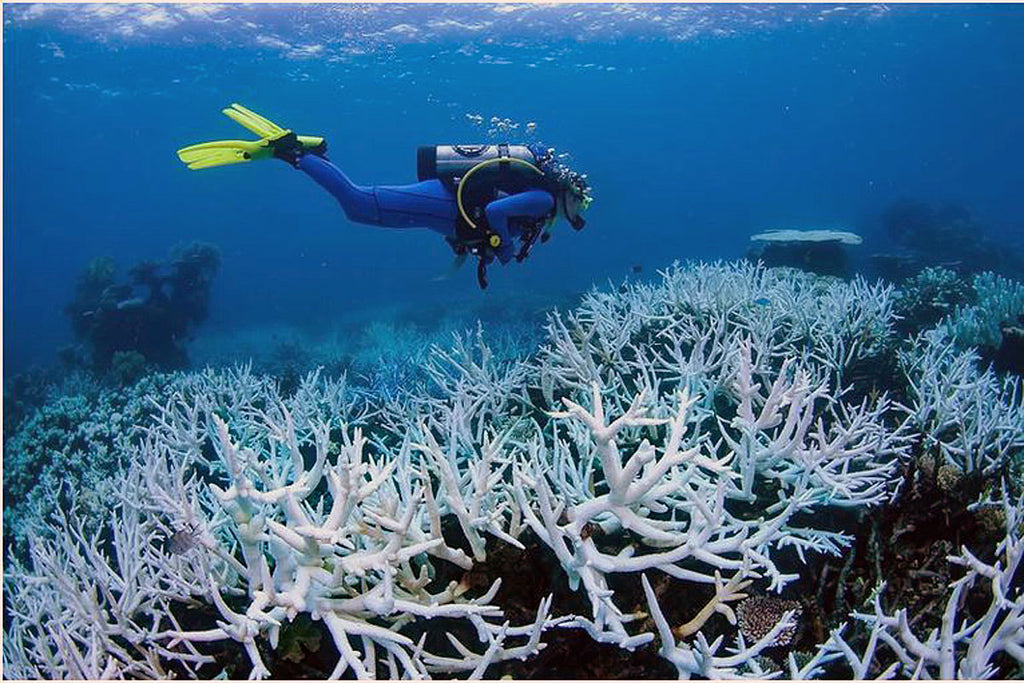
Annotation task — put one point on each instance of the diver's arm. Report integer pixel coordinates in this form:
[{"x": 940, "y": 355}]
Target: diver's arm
[{"x": 532, "y": 204}]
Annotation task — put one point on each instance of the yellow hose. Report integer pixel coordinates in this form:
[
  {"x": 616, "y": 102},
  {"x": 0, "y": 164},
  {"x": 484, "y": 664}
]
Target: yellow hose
[{"x": 497, "y": 160}]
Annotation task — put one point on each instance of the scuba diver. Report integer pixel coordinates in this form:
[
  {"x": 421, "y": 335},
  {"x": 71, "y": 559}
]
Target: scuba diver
[{"x": 481, "y": 198}]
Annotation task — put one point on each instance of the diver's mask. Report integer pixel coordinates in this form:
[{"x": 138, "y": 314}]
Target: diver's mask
[{"x": 575, "y": 204}]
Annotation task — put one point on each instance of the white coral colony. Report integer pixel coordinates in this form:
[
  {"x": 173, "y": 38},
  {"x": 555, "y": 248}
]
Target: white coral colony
[{"x": 678, "y": 436}]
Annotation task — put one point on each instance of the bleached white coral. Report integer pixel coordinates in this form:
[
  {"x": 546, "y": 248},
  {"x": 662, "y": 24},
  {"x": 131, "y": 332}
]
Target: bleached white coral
[
  {"x": 973, "y": 418},
  {"x": 279, "y": 516},
  {"x": 671, "y": 493},
  {"x": 999, "y": 300},
  {"x": 682, "y": 433},
  {"x": 963, "y": 646}
]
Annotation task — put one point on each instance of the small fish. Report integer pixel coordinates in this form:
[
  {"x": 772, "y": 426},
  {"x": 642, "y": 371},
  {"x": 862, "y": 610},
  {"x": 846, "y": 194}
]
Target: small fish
[
  {"x": 763, "y": 301},
  {"x": 182, "y": 540},
  {"x": 637, "y": 268}
]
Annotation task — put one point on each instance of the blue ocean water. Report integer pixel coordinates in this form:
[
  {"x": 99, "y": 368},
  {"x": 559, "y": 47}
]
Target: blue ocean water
[{"x": 697, "y": 126}]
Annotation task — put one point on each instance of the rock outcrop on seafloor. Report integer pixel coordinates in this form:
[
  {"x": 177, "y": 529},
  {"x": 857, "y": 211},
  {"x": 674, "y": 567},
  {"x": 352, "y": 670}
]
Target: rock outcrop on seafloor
[
  {"x": 815, "y": 251},
  {"x": 147, "y": 317},
  {"x": 1009, "y": 357},
  {"x": 942, "y": 235}
]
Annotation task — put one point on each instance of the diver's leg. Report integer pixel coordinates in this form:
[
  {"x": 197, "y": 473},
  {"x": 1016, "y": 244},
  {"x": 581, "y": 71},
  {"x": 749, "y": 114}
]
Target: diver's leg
[
  {"x": 428, "y": 204},
  {"x": 532, "y": 204},
  {"x": 358, "y": 202}
]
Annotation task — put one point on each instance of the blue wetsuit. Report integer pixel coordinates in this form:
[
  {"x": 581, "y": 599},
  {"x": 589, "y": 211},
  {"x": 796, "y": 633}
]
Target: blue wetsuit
[{"x": 427, "y": 204}]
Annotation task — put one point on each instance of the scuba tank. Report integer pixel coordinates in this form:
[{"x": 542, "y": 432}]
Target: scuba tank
[{"x": 449, "y": 163}]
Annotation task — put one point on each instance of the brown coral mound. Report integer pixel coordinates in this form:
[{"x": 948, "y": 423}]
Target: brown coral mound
[{"x": 757, "y": 616}]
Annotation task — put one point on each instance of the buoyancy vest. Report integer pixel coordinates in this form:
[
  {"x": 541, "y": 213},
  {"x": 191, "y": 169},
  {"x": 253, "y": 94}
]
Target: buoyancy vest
[
  {"x": 477, "y": 175},
  {"x": 486, "y": 175}
]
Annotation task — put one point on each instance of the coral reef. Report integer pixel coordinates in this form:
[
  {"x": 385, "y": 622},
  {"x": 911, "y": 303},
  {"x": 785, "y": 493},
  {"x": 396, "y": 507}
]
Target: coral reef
[
  {"x": 1009, "y": 357},
  {"x": 968, "y": 418},
  {"x": 689, "y": 477},
  {"x": 73, "y": 442},
  {"x": 386, "y": 354},
  {"x": 149, "y": 316},
  {"x": 757, "y": 616},
  {"x": 928, "y": 297},
  {"x": 815, "y": 251},
  {"x": 979, "y": 322},
  {"x": 983, "y": 313},
  {"x": 946, "y": 236}
]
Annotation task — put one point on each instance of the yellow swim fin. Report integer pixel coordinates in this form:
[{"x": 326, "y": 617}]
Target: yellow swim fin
[
  {"x": 224, "y": 152},
  {"x": 249, "y": 119}
]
